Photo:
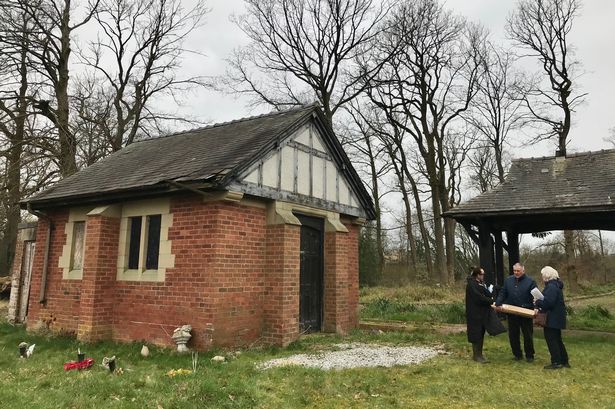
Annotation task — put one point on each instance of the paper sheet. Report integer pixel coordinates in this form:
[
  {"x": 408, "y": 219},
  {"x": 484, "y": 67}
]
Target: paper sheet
[{"x": 537, "y": 294}]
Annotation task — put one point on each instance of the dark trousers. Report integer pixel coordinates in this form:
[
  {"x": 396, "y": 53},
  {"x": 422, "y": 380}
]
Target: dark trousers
[
  {"x": 516, "y": 325},
  {"x": 553, "y": 337}
]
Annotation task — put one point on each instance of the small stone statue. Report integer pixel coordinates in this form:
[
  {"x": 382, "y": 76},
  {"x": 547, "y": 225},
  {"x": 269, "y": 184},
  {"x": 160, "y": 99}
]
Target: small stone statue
[
  {"x": 181, "y": 336},
  {"x": 145, "y": 351}
]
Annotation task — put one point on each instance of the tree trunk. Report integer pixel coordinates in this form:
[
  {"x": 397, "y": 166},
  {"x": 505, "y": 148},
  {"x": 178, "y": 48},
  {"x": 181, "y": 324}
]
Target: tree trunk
[
  {"x": 440, "y": 260},
  {"x": 13, "y": 217},
  {"x": 13, "y": 181},
  {"x": 68, "y": 145},
  {"x": 376, "y": 197},
  {"x": 449, "y": 233},
  {"x": 570, "y": 259},
  {"x": 410, "y": 234},
  {"x": 500, "y": 166},
  {"x": 424, "y": 232},
  {"x": 438, "y": 230}
]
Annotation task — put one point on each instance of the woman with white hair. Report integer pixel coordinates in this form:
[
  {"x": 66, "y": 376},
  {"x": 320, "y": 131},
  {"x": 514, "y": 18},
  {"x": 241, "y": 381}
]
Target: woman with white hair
[{"x": 553, "y": 305}]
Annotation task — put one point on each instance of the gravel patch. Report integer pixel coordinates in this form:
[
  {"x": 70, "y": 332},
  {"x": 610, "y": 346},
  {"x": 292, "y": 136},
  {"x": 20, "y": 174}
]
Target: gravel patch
[{"x": 357, "y": 355}]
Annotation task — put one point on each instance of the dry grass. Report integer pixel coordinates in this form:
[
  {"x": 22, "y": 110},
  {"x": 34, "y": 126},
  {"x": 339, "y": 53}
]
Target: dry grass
[
  {"x": 4, "y": 306},
  {"x": 607, "y": 301},
  {"x": 413, "y": 294}
]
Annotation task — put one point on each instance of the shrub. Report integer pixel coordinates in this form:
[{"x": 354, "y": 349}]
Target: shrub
[{"x": 596, "y": 312}]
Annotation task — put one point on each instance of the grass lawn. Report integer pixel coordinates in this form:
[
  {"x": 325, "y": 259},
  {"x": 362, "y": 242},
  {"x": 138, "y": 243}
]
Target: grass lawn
[
  {"x": 447, "y": 381},
  {"x": 450, "y": 380}
]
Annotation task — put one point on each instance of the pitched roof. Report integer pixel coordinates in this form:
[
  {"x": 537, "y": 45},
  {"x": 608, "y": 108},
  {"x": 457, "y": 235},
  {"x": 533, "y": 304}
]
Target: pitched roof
[
  {"x": 198, "y": 154},
  {"x": 577, "y": 182},
  {"x": 212, "y": 154}
]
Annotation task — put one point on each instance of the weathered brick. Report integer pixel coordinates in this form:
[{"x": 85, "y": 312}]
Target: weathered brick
[{"x": 235, "y": 280}]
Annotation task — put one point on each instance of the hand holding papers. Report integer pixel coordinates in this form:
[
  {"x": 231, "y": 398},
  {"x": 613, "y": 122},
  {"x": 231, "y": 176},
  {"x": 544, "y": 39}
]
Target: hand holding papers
[{"x": 537, "y": 294}]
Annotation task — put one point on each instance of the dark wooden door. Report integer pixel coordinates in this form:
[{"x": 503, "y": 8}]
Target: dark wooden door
[{"x": 311, "y": 274}]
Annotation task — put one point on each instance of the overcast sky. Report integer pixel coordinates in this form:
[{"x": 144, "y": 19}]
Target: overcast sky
[{"x": 593, "y": 37}]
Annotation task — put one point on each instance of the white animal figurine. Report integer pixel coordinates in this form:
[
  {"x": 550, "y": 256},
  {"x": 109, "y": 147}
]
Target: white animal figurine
[
  {"x": 218, "y": 358},
  {"x": 30, "y": 350},
  {"x": 145, "y": 351}
]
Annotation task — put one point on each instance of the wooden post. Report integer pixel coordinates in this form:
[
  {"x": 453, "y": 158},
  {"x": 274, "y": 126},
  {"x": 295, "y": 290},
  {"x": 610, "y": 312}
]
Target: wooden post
[
  {"x": 499, "y": 258},
  {"x": 513, "y": 249},
  {"x": 486, "y": 252}
]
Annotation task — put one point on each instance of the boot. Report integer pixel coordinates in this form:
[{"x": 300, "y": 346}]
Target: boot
[{"x": 477, "y": 349}]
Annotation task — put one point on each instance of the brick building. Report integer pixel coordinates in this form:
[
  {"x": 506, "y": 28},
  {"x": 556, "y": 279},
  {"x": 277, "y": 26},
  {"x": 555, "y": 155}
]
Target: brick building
[{"x": 246, "y": 230}]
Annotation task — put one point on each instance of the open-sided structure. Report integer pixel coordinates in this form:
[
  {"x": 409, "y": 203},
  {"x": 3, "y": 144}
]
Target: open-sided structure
[{"x": 574, "y": 192}]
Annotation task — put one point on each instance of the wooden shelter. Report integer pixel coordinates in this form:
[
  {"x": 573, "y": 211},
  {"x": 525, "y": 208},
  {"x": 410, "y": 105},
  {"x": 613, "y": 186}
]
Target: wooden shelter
[{"x": 573, "y": 192}]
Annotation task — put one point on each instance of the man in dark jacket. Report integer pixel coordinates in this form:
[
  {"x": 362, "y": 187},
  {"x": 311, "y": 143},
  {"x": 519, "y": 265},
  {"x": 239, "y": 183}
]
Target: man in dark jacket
[
  {"x": 517, "y": 291},
  {"x": 478, "y": 307}
]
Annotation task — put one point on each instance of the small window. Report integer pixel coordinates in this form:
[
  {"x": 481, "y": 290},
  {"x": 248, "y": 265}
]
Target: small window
[
  {"x": 153, "y": 242},
  {"x": 151, "y": 248},
  {"x": 78, "y": 244},
  {"x": 135, "y": 242}
]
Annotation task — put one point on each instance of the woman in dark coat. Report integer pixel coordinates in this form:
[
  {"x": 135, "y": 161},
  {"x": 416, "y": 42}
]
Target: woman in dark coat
[
  {"x": 478, "y": 309},
  {"x": 553, "y": 305}
]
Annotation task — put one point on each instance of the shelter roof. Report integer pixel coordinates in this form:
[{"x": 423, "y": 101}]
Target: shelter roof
[{"x": 581, "y": 184}]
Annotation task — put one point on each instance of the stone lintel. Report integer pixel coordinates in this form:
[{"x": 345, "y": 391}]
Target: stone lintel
[
  {"x": 111, "y": 211},
  {"x": 280, "y": 212},
  {"x": 228, "y": 195}
]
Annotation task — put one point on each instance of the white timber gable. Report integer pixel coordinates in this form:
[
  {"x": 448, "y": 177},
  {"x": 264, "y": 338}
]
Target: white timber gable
[{"x": 302, "y": 167}]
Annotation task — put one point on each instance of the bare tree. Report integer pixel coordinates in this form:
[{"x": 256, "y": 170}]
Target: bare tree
[
  {"x": 497, "y": 108},
  {"x": 304, "y": 43},
  {"x": 14, "y": 105},
  {"x": 394, "y": 140},
  {"x": 49, "y": 50},
  {"x": 429, "y": 80},
  {"x": 483, "y": 170},
  {"x": 92, "y": 120},
  {"x": 369, "y": 153},
  {"x": 542, "y": 28},
  {"x": 24, "y": 164},
  {"x": 136, "y": 56}
]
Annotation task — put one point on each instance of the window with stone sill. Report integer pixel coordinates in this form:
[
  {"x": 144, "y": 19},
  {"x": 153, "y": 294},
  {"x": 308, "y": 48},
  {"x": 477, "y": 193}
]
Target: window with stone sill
[
  {"x": 144, "y": 248},
  {"x": 73, "y": 255},
  {"x": 144, "y": 257},
  {"x": 76, "y": 262}
]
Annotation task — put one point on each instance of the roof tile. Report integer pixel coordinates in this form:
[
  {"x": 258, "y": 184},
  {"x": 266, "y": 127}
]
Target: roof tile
[
  {"x": 194, "y": 155},
  {"x": 576, "y": 181}
]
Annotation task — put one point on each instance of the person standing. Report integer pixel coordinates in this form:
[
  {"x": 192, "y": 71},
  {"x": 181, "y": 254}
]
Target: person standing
[
  {"x": 478, "y": 308},
  {"x": 517, "y": 291},
  {"x": 555, "y": 308}
]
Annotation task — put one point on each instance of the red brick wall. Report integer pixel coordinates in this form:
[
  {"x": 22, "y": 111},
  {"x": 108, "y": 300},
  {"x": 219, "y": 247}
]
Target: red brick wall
[
  {"x": 282, "y": 284},
  {"x": 336, "y": 282},
  {"x": 99, "y": 278},
  {"x": 341, "y": 280},
  {"x": 352, "y": 254},
  {"x": 60, "y": 312},
  {"x": 216, "y": 284},
  {"x": 235, "y": 280}
]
